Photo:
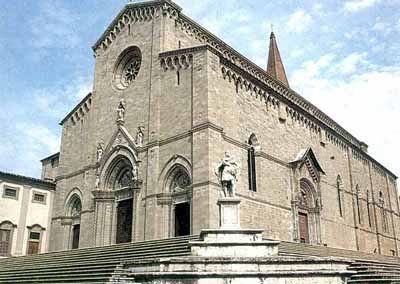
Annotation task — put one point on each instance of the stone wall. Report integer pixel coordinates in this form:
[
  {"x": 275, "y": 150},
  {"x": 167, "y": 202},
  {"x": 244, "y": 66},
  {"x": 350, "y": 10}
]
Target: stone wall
[{"x": 194, "y": 106}]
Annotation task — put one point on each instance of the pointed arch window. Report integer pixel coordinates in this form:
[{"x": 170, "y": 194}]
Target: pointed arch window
[
  {"x": 358, "y": 193},
  {"x": 369, "y": 210},
  {"x": 251, "y": 162},
  {"x": 383, "y": 212},
  {"x": 339, "y": 194}
]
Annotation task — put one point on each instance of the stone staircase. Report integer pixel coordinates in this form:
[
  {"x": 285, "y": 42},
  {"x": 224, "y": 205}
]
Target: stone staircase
[
  {"x": 104, "y": 264},
  {"x": 370, "y": 268},
  {"x": 88, "y": 265},
  {"x": 375, "y": 272}
]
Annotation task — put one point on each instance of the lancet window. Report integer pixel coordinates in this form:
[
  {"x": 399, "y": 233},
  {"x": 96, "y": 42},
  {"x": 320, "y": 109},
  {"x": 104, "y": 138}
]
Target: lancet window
[
  {"x": 339, "y": 195},
  {"x": 251, "y": 163}
]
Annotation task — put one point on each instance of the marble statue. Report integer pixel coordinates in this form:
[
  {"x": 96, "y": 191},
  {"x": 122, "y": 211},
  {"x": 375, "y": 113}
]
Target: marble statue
[
  {"x": 134, "y": 173},
  {"x": 121, "y": 111},
  {"x": 99, "y": 152},
  {"x": 139, "y": 136},
  {"x": 227, "y": 172},
  {"x": 97, "y": 183}
]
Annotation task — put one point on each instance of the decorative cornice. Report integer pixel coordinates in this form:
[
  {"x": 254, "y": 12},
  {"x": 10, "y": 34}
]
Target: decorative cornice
[
  {"x": 135, "y": 12},
  {"x": 34, "y": 182},
  {"x": 79, "y": 110}
]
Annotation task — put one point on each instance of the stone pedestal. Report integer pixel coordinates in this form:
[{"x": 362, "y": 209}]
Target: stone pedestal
[
  {"x": 230, "y": 240},
  {"x": 229, "y": 212}
]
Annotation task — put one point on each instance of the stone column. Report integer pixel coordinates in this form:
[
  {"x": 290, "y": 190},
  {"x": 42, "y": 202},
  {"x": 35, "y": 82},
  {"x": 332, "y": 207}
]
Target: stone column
[{"x": 26, "y": 190}]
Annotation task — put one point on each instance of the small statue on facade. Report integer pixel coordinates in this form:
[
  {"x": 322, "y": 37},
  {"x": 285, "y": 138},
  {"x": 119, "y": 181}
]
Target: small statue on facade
[
  {"x": 121, "y": 111},
  {"x": 134, "y": 172},
  {"x": 227, "y": 172},
  {"x": 97, "y": 182},
  {"x": 139, "y": 136},
  {"x": 99, "y": 152}
]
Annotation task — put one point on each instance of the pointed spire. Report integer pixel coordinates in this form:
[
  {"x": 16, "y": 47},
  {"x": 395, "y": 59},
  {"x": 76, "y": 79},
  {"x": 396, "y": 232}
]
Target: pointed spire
[{"x": 275, "y": 66}]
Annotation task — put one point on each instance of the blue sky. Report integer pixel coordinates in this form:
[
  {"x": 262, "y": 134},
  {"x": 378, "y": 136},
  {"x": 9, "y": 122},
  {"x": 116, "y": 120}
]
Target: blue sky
[{"x": 341, "y": 55}]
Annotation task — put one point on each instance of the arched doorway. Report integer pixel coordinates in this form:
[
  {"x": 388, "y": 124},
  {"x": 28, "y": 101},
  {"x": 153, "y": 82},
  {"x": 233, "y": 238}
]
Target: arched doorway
[
  {"x": 124, "y": 206},
  {"x": 308, "y": 211},
  {"x": 121, "y": 180},
  {"x": 179, "y": 186},
  {"x": 74, "y": 212}
]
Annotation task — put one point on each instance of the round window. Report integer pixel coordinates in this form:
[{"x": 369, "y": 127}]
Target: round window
[{"x": 127, "y": 67}]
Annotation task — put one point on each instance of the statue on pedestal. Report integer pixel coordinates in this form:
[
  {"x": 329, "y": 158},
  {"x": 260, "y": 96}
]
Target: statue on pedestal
[
  {"x": 134, "y": 173},
  {"x": 227, "y": 172},
  {"x": 139, "y": 136},
  {"x": 97, "y": 182},
  {"x": 99, "y": 152},
  {"x": 121, "y": 111}
]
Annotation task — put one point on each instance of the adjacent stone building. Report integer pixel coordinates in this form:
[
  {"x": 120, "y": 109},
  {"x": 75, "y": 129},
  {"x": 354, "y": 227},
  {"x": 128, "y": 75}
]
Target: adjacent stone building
[
  {"x": 25, "y": 214},
  {"x": 138, "y": 154}
]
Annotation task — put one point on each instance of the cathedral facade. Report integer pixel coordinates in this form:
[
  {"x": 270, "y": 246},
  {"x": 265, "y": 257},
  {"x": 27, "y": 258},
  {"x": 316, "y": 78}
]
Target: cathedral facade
[{"x": 139, "y": 153}]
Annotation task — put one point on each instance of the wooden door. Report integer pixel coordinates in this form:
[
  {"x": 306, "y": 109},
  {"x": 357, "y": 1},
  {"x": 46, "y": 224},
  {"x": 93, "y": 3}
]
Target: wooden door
[
  {"x": 303, "y": 228},
  {"x": 182, "y": 219},
  {"x": 4, "y": 242},
  {"x": 124, "y": 221},
  {"x": 33, "y": 247},
  {"x": 76, "y": 230}
]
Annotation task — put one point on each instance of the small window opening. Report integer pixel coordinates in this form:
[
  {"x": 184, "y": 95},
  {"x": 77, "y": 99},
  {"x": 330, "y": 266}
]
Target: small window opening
[{"x": 178, "y": 78}]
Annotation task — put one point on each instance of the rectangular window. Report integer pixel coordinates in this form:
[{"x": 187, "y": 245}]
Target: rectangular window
[
  {"x": 34, "y": 236},
  {"x": 38, "y": 197},
  {"x": 10, "y": 192}
]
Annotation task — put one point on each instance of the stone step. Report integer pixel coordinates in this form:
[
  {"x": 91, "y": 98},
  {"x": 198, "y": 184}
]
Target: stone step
[
  {"x": 286, "y": 248},
  {"x": 109, "y": 255},
  {"x": 50, "y": 257},
  {"x": 88, "y": 265},
  {"x": 376, "y": 281},
  {"x": 92, "y": 251},
  {"x": 67, "y": 268}
]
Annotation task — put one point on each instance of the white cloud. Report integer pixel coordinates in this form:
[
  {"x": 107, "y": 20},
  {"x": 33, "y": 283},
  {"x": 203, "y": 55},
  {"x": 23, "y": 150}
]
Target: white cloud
[
  {"x": 379, "y": 26},
  {"x": 24, "y": 145},
  {"x": 367, "y": 104},
  {"x": 312, "y": 68},
  {"x": 356, "y": 5},
  {"x": 317, "y": 8},
  {"x": 56, "y": 100},
  {"x": 299, "y": 21},
  {"x": 27, "y": 137},
  {"x": 55, "y": 26},
  {"x": 350, "y": 63}
]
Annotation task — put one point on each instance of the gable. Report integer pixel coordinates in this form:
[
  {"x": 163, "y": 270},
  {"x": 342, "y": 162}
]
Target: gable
[
  {"x": 121, "y": 138},
  {"x": 306, "y": 159}
]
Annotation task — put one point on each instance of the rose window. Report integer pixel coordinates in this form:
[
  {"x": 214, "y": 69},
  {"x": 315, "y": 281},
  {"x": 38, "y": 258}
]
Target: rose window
[
  {"x": 131, "y": 71},
  {"x": 127, "y": 67}
]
